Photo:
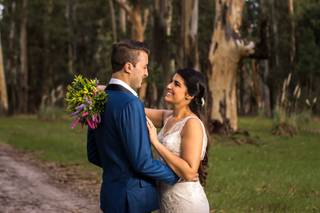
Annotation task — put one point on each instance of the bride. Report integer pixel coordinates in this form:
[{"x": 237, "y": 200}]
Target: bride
[{"x": 182, "y": 142}]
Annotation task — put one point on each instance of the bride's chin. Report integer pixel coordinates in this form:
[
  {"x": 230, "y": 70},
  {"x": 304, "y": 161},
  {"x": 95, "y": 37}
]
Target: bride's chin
[{"x": 167, "y": 100}]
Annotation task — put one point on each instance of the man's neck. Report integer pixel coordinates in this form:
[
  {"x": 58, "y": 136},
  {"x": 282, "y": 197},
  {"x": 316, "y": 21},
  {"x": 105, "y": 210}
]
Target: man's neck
[{"x": 121, "y": 76}]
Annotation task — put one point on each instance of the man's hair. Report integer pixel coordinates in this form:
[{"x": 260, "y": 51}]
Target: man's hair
[{"x": 126, "y": 51}]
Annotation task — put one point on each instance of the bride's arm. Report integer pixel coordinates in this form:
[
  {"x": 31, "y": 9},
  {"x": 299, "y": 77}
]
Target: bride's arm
[
  {"x": 187, "y": 165},
  {"x": 157, "y": 116}
]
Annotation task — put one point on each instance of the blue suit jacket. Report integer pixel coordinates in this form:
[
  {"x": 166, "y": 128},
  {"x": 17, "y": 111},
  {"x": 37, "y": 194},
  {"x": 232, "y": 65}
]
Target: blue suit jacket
[{"x": 120, "y": 145}]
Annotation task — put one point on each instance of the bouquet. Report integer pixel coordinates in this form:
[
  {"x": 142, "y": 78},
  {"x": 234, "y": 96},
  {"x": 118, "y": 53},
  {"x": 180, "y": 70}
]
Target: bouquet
[{"x": 85, "y": 101}]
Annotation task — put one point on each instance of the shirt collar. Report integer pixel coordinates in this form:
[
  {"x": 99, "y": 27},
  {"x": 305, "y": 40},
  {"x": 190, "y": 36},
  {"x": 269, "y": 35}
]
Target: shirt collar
[{"x": 122, "y": 83}]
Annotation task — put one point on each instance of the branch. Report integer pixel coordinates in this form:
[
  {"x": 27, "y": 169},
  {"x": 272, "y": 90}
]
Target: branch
[
  {"x": 124, "y": 6},
  {"x": 245, "y": 49},
  {"x": 145, "y": 18}
]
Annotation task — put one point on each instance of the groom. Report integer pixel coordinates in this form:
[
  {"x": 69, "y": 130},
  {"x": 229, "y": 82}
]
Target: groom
[{"x": 120, "y": 145}]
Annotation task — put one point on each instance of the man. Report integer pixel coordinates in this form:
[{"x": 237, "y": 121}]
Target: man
[{"x": 120, "y": 145}]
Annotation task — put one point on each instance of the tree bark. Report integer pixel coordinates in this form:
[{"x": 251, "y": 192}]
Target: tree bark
[
  {"x": 3, "y": 86},
  {"x": 113, "y": 21},
  {"x": 226, "y": 51},
  {"x": 139, "y": 25},
  {"x": 189, "y": 53},
  {"x": 123, "y": 20},
  {"x": 161, "y": 50},
  {"x": 23, "y": 76},
  {"x": 280, "y": 46},
  {"x": 292, "y": 31},
  {"x": 47, "y": 84},
  {"x": 11, "y": 65},
  {"x": 70, "y": 16}
]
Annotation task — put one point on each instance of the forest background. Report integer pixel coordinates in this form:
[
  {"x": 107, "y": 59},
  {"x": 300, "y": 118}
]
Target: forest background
[{"x": 261, "y": 57}]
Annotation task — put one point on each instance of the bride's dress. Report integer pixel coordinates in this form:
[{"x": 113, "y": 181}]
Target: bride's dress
[{"x": 186, "y": 197}]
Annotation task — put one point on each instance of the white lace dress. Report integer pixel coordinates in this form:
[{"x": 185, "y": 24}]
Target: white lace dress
[{"x": 184, "y": 197}]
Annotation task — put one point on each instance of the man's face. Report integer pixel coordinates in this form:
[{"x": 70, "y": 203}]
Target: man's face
[{"x": 140, "y": 70}]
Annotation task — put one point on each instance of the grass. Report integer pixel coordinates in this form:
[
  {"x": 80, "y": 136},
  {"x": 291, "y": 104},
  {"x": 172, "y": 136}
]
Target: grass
[
  {"x": 51, "y": 141},
  {"x": 280, "y": 174}
]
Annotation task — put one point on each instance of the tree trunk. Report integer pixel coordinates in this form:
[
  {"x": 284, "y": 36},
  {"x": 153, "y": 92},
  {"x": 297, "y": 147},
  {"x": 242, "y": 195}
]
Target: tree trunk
[
  {"x": 23, "y": 77},
  {"x": 280, "y": 46},
  {"x": 47, "y": 84},
  {"x": 226, "y": 51},
  {"x": 161, "y": 50},
  {"x": 113, "y": 21},
  {"x": 11, "y": 65},
  {"x": 123, "y": 20},
  {"x": 189, "y": 53},
  {"x": 70, "y": 16},
  {"x": 139, "y": 25},
  {"x": 292, "y": 31},
  {"x": 3, "y": 85}
]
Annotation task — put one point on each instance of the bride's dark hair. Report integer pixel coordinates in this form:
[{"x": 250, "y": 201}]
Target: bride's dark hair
[{"x": 196, "y": 86}]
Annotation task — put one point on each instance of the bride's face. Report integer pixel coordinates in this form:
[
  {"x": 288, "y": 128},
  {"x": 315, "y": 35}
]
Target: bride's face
[{"x": 177, "y": 91}]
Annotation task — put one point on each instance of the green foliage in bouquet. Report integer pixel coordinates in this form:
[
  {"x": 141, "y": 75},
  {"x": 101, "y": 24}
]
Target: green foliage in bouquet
[{"x": 85, "y": 101}]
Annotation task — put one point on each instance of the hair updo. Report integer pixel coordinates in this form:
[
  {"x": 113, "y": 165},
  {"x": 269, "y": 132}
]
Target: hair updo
[{"x": 196, "y": 87}]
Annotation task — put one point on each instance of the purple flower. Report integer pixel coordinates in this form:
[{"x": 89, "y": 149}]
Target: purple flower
[
  {"x": 80, "y": 107},
  {"x": 89, "y": 102}
]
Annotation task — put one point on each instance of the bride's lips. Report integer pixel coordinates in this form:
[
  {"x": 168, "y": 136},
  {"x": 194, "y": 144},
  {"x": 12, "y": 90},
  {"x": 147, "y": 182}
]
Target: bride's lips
[{"x": 169, "y": 93}]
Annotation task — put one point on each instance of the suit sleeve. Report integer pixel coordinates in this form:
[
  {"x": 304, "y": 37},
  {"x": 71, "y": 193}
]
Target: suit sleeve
[
  {"x": 92, "y": 149},
  {"x": 135, "y": 137}
]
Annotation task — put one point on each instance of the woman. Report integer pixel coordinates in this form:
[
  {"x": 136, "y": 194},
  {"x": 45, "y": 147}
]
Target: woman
[{"x": 182, "y": 142}]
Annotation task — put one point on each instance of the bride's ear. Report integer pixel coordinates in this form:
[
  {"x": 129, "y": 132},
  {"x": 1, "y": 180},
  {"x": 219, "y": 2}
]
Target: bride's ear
[{"x": 189, "y": 97}]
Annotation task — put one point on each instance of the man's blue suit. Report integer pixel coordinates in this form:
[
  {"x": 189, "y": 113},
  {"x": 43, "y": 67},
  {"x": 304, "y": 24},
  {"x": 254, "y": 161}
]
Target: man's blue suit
[{"x": 120, "y": 145}]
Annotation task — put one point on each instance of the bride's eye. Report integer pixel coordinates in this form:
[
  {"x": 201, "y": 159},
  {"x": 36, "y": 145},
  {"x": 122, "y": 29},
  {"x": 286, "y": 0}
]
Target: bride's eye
[{"x": 177, "y": 83}]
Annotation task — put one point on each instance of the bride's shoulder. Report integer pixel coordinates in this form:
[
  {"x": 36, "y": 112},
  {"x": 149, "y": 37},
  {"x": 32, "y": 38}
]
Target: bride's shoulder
[{"x": 192, "y": 125}]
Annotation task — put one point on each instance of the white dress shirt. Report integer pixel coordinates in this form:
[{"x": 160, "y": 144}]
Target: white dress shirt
[{"x": 122, "y": 83}]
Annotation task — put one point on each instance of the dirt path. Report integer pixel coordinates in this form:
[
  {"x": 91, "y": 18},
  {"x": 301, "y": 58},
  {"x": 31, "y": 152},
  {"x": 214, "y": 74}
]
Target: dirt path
[{"x": 26, "y": 188}]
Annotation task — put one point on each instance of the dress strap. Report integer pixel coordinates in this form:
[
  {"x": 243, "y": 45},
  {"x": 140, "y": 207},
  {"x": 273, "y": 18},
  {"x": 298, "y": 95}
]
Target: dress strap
[{"x": 166, "y": 120}]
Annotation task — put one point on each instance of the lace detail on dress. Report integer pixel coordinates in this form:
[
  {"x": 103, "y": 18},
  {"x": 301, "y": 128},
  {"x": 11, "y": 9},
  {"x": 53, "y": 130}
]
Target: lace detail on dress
[{"x": 186, "y": 197}]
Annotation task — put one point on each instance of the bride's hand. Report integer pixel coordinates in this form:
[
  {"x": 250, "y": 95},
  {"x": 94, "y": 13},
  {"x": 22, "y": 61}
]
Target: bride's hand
[{"x": 152, "y": 131}]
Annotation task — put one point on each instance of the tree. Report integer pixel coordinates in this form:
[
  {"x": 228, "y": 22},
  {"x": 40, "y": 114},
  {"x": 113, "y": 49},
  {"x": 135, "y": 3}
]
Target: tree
[
  {"x": 23, "y": 75},
  {"x": 11, "y": 63},
  {"x": 188, "y": 51},
  {"x": 161, "y": 49},
  {"x": 113, "y": 21},
  {"x": 227, "y": 49},
  {"x": 139, "y": 25},
  {"x": 3, "y": 85}
]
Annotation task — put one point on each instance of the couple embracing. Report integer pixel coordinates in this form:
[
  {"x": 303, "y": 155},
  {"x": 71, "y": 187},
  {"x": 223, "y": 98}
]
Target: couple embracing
[{"x": 132, "y": 180}]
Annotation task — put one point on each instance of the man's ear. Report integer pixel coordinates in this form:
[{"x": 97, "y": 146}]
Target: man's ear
[{"x": 128, "y": 67}]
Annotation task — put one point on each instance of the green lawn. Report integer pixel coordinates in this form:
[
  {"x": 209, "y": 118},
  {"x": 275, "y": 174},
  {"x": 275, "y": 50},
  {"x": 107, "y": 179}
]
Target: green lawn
[{"x": 280, "y": 174}]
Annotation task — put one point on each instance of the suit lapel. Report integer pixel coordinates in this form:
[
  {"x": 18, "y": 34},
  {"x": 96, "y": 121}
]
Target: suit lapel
[{"x": 117, "y": 87}]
